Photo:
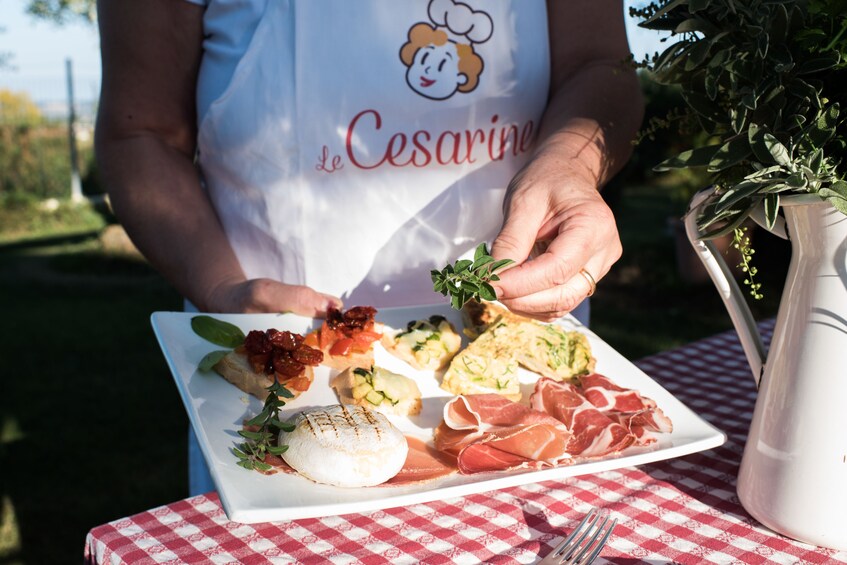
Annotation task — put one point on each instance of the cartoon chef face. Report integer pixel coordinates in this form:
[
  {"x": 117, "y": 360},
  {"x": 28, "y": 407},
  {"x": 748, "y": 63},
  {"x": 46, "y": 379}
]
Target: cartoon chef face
[
  {"x": 438, "y": 67},
  {"x": 434, "y": 73}
]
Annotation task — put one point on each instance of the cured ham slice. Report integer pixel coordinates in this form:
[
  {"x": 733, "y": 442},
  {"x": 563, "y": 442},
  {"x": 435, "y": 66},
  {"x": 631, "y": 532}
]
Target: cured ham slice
[
  {"x": 563, "y": 424},
  {"x": 423, "y": 463},
  {"x": 639, "y": 414},
  {"x": 488, "y": 432},
  {"x": 594, "y": 433}
]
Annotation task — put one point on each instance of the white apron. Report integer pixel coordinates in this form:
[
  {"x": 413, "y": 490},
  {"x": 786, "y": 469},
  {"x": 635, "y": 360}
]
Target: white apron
[{"x": 363, "y": 143}]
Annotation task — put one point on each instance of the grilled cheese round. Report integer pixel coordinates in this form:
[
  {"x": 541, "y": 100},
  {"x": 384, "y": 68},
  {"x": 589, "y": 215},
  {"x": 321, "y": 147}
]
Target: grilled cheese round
[{"x": 345, "y": 446}]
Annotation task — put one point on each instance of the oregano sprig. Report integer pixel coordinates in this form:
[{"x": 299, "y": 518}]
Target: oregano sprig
[
  {"x": 467, "y": 280},
  {"x": 251, "y": 453}
]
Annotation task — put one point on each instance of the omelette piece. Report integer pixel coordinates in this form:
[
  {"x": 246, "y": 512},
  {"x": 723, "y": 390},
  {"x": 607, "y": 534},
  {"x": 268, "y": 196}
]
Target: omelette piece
[{"x": 486, "y": 365}]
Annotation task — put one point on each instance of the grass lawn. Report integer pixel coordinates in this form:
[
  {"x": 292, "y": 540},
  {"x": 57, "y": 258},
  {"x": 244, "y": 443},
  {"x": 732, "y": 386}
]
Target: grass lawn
[{"x": 93, "y": 428}]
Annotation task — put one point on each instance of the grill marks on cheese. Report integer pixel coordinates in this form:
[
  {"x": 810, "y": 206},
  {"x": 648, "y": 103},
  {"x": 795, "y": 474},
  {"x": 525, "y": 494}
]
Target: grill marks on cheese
[{"x": 322, "y": 423}]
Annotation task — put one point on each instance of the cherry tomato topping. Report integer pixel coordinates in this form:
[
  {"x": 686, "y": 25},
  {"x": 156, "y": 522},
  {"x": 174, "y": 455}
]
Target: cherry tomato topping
[{"x": 341, "y": 347}]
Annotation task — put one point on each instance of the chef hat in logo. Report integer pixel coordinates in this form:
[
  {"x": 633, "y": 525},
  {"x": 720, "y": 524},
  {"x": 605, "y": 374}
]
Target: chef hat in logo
[{"x": 461, "y": 23}]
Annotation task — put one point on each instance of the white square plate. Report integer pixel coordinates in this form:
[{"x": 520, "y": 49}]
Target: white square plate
[{"x": 217, "y": 409}]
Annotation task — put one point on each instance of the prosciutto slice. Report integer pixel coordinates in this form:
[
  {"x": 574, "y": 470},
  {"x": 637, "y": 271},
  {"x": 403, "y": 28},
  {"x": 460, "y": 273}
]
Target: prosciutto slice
[
  {"x": 423, "y": 463},
  {"x": 639, "y": 414},
  {"x": 594, "y": 434},
  {"x": 488, "y": 432}
]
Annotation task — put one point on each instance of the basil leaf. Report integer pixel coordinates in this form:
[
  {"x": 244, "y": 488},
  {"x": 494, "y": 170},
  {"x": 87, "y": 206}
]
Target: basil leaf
[
  {"x": 217, "y": 331},
  {"x": 211, "y": 359}
]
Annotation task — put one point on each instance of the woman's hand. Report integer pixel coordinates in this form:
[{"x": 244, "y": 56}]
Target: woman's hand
[
  {"x": 585, "y": 137},
  {"x": 268, "y": 295},
  {"x": 564, "y": 212}
]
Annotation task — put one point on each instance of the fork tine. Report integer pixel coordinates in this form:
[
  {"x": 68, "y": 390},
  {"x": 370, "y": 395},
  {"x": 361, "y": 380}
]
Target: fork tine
[
  {"x": 599, "y": 547},
  {"x": 590, "y": 535},
  {"x": 596, "y": 542},
  {"x": 574, "y": 539}
]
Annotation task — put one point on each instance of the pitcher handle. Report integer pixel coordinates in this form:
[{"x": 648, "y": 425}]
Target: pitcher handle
[{"x": 733, "y": 299}]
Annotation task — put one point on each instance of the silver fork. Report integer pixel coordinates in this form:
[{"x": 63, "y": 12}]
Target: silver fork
[{"x": 584, "y": 543}]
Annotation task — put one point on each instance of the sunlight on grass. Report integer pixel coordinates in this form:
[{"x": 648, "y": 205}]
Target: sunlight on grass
[
  {"x": 11, "y": 431},
  {"x": 10, "y": 536}
]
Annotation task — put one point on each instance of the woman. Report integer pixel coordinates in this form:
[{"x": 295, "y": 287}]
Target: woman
[{"x": 278, "y": 156}]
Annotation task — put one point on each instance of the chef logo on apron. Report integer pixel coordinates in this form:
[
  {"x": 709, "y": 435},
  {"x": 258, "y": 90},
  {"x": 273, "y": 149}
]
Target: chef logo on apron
[{"x": 440, "y": 56}]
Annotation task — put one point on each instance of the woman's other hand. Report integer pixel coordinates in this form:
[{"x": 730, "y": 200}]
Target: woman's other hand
[{"x": 268, "y": 295}]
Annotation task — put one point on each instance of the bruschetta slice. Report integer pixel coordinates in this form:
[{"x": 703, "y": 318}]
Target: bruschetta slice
[
  {"x": 346, "y": 338},
  {"x": 425, "y": 344},
  {"x": 268, "y": 356}
]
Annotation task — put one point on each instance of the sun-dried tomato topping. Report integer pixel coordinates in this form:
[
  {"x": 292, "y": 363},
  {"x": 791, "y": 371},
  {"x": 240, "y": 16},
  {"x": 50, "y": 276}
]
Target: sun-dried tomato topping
[
  {"x": 334, "y": 318},
  {"x": 307, "y": 355},
  {"x": 286, "y": 340},
  {"x": 260, "y": 362},
  {"x": 355, "y": 319},
  {"x": 258, "y": 342},
  {"x": 286, "y": 366},
  {"x": 359, "y": 316},
  {"x": 279, "y": 352}
]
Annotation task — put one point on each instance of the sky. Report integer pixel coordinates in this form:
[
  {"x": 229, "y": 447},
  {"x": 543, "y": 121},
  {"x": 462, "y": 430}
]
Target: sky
[{"x": 40, "y": 49}]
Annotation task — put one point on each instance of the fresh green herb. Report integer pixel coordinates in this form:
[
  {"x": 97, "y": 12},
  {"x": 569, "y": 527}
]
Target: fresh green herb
[
  {"x": 251, "y": 453},
  {"x": 467, "y": 280},
  {"x": 741, "y": 242},
  {"x": 211, "y": 359},
  {"x": 217, "y": 331},
  {"x": 764, "y": 81}
]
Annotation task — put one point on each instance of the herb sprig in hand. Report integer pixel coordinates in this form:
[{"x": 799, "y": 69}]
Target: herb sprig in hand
[
  {"x": 467, "y": 280},
  {"x": 251, "y": 453}
]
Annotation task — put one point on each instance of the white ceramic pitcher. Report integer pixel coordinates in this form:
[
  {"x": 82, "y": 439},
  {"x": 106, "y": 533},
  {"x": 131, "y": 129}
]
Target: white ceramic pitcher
[{"x": 793, "y": 476}]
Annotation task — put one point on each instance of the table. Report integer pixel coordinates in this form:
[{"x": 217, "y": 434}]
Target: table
[{"x": 683, "y": 510}]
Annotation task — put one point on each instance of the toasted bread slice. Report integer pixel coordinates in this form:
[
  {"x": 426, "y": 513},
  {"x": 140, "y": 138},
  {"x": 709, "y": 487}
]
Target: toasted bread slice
[
  {"x": 235, "y": 368},
  {"x": 425, "y": 344},
  {"x": 378, "y": 389},
  {"x": 351, "y": 360}
]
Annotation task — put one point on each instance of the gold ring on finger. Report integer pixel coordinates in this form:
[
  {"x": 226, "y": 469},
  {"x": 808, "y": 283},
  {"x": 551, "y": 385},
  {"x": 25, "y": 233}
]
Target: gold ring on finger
[{"x": 592, "y": 284}]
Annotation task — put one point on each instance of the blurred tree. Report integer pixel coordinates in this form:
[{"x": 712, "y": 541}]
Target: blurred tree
[
  {"x": 63, "y": 11},
  {"x": 18, "y": 107},
  {"x": 5, "y": 56}
]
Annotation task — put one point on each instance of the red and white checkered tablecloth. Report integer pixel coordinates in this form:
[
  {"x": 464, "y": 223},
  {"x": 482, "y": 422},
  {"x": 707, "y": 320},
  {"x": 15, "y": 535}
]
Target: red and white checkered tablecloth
[{"x": 684, "y": 510}]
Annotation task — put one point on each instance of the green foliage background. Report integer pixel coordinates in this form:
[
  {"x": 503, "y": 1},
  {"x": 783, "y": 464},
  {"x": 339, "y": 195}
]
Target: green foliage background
[{"x": 35, "y": 161}]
